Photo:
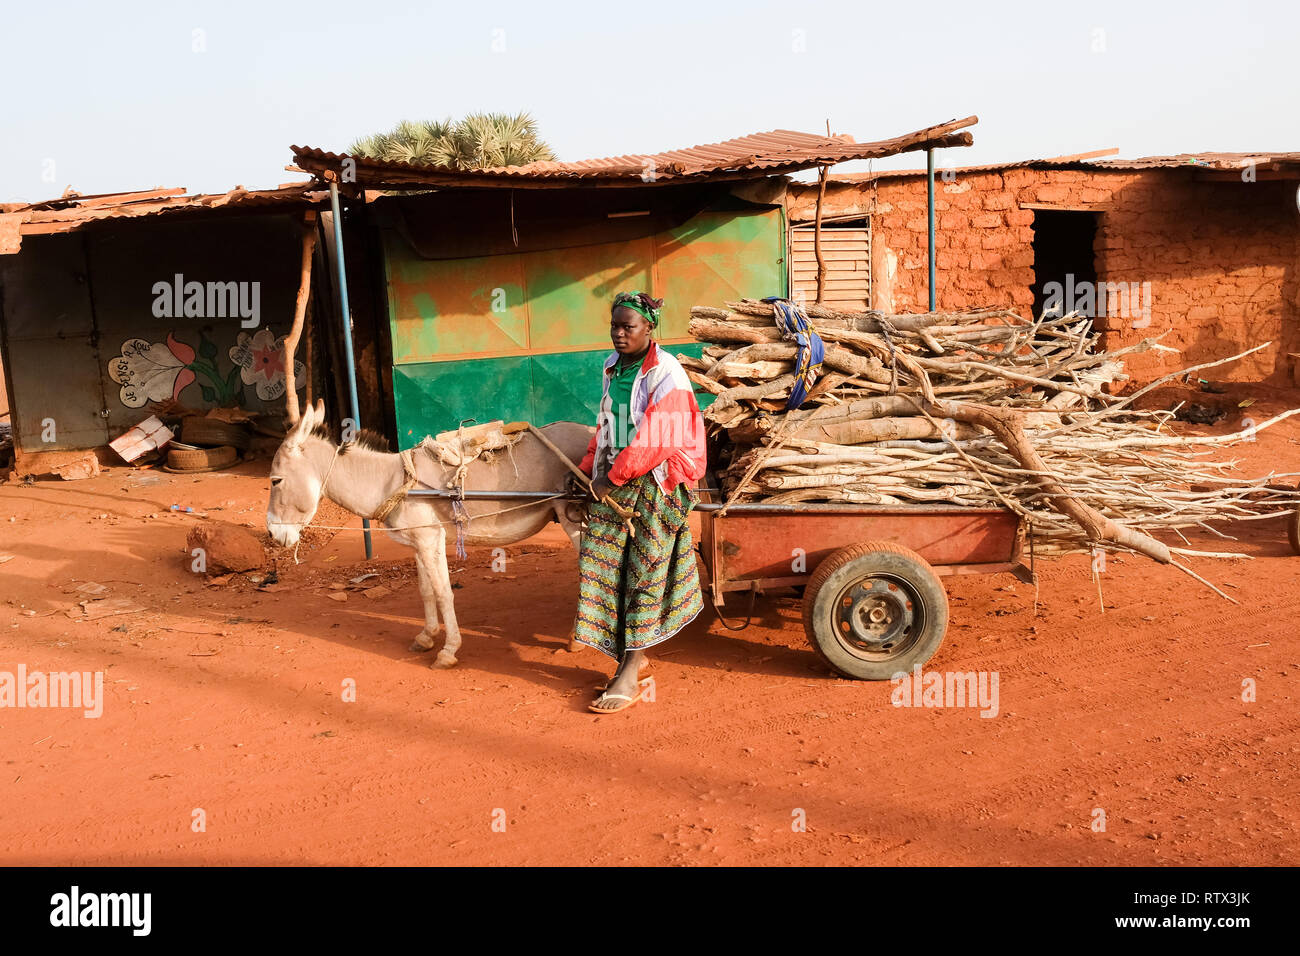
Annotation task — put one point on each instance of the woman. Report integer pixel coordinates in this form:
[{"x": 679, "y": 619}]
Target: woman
[{"x": 638, "y": 585}]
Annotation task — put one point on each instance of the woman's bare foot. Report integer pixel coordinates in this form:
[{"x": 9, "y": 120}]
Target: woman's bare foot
[{"x": 625, "y": 685}]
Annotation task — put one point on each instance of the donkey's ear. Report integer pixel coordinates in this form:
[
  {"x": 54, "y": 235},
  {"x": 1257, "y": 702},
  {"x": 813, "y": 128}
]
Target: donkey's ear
[
  {"x": 317, "y": 412},
  {"x": 305, "y": 425}
]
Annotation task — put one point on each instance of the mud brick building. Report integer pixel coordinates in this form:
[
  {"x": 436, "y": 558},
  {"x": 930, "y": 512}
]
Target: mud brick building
[{"x": 1200, "y": 247}]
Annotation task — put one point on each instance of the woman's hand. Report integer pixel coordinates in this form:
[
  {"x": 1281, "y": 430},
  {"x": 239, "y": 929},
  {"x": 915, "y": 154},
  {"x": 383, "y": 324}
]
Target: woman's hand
[{"x": 601, "y": 487}]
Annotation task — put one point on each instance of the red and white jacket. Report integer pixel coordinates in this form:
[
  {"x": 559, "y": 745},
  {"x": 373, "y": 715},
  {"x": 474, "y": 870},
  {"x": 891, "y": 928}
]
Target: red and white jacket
[{"x": 669, "y": 438}]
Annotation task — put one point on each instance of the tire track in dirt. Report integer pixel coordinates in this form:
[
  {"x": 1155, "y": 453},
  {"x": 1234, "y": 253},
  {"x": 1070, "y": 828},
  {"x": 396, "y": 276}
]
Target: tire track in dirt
[{"x": 745, "y": 731}]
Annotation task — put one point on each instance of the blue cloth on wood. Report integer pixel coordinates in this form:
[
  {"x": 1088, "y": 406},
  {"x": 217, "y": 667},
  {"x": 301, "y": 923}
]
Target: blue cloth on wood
[{"x": 794, "y": 324}]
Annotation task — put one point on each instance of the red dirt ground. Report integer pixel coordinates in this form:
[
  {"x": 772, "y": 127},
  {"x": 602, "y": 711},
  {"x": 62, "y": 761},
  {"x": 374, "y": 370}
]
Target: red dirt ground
[{"x": 228, "y": 699}]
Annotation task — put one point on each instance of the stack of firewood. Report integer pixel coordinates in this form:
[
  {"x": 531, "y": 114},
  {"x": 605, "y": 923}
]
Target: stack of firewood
[{"x": 977, "y": 408}]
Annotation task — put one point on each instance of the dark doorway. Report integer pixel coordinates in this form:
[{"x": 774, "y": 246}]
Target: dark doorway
[{"x": 1063, "y": 253}]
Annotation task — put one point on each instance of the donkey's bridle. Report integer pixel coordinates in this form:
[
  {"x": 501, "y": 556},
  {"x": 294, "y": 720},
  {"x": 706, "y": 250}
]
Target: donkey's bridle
[{"x": 323, "y": 485}]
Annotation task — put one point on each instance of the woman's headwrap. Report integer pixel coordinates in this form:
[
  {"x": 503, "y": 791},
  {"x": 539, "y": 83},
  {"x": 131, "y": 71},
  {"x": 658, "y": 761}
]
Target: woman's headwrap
[{"x": 639, "y": 302}]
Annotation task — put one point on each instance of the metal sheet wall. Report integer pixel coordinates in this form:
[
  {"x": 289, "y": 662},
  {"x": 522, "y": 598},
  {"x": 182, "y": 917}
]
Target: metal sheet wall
[
  {"x": 51, "y": 345},
  {"x": 523, "y": 336},
  {"x": 86, "y": 349}
]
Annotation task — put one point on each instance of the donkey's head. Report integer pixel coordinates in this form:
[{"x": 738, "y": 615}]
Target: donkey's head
[{"x": 296, "y": 480}]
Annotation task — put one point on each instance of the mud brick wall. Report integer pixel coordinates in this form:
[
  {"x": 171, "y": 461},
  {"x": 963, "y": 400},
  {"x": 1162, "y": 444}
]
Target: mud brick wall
[{"x": 1220, "y": 257}]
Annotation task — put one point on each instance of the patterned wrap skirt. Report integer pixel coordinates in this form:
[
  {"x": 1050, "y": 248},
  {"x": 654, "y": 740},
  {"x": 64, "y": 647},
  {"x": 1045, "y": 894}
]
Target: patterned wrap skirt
[{"x": 637, "y": 591}]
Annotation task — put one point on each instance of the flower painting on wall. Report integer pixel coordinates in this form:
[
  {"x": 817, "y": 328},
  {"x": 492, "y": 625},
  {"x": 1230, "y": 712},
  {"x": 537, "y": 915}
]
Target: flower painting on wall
[
  {"x": 152, "y": 372},
  {"x": 157, "y": 371},
  {"x": 260, "y": 359}
]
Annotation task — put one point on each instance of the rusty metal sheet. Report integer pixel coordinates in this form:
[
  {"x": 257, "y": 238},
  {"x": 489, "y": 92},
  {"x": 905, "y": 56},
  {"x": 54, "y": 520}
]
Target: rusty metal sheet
[
  {"x": 454, "y": 307},
  {"x": 11, "y": 239},
  {"x": 569, "y": 291},
  {"x": 555, "y": 300},
  {"x": 755, "y": 155},
  {"x": 67, "y": 214},
  {"x": 1210, "y": 162},
  {"x": 765, "y": 546},
  {"x": 51, "y": 345},
  {"x": 718, "y": 257}
]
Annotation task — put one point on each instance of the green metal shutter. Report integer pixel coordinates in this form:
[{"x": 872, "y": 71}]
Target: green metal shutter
[{"x": 524, "y": 336}]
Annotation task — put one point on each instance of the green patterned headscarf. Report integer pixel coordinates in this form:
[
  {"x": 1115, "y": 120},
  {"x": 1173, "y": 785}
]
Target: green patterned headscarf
[{"x": 641, "y": 303}]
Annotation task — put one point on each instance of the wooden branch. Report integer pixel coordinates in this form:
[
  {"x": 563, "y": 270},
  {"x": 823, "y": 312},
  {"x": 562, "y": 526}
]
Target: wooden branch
[
  {"x": 817, "y": 234},
  {"x": 1031, "y": 430},
  {"x": 759, "y": 352},
  {"x": 308, "y": 232},
  {"x": 1095, "y": 525},
  {"x": 714, "y": 330},
  {"x": 851, "y": 432},
  {"x": 706, "y": 383}
]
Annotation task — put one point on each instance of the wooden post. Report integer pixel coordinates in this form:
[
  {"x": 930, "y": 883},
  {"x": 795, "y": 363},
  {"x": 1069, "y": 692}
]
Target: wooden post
[
  {"x": 291, "y": 410},
  {"x": 929, "y": 218},
  {"x": 817, "y": 233},
  {"x": 308, "y": 345}
]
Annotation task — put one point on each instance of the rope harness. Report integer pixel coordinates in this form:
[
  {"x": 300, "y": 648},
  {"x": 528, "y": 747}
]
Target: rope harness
[
  {"x": 456, "y": 486},
  {"x": 392, "y": 501},
  {"x": 439, "y": 451}
]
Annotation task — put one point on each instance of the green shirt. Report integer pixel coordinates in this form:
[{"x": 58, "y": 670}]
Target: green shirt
[{"x": 620, "y": 395}]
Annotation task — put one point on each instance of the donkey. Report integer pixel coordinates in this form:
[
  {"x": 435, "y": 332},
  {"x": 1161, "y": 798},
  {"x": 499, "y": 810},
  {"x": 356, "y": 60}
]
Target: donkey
[{"x": 361, "y": 478}]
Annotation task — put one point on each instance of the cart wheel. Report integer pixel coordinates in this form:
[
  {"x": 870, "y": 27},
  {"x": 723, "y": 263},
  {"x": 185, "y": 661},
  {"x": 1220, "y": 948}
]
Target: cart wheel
[
  {"x": 1293, "y": 529},
  {"x": 875, "y": 609}
]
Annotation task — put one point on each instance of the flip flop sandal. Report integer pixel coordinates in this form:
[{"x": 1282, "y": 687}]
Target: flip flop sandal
[
  {"x": 640, "y": 676},
  {"x": 628, "y": 701}
]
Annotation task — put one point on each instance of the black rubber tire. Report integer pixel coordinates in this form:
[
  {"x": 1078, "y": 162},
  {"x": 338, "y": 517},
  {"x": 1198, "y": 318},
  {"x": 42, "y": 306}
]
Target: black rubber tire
[
  {"x": 904, "y": 577},
  {"x": 201, "y": 459},
  {"x": 1293, "y": 529},
  {"x": 213, "y": 433}
]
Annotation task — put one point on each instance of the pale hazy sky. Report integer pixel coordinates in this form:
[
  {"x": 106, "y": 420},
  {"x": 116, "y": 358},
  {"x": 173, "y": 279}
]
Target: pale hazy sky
[{"x": 114, "y": 96}]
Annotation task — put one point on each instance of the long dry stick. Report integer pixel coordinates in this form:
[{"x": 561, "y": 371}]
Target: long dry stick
[{"x": 291, "y": 409}]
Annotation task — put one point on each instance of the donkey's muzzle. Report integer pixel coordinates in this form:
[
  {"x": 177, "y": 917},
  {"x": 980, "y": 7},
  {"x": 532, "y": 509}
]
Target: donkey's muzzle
[{"x": 285, "y": 535}]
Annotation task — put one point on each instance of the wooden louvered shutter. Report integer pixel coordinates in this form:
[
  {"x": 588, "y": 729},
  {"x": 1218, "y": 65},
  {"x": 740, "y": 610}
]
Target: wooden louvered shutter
[{"x": 847, "y": 251}]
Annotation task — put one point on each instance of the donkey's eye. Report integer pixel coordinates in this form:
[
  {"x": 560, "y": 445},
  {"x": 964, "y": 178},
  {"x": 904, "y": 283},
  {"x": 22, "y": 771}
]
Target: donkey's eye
[{"x": 276, "y": 481}]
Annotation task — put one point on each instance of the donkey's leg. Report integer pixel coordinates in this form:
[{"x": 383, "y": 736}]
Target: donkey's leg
[
  {"x": 572, "y": 528},
  {"x": 446, "y": 599},
  {"x": 424, "y": 641}
]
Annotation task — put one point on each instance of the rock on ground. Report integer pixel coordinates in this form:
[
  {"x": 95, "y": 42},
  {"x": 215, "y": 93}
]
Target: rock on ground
[{"x": 227, "y": 547}]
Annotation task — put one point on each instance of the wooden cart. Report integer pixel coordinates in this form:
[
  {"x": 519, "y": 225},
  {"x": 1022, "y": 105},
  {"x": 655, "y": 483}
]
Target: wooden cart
[{"x": 873, "y": 599}]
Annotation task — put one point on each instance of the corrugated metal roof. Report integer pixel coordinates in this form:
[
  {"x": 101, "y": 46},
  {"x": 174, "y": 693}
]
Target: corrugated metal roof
[
  {"x": 1206, "y": 161},
  {"x": 1055, "y": 162},
  {"x": 1230, "y": 161},
  {"x": 746, "y": 157},
  {"x": 71, "y": 212}
]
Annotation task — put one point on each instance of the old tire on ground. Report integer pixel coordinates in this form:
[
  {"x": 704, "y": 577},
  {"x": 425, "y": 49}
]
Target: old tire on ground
[
  {"x": 213, "y": 433},
  {"x": 201, "y": 459},
  {"x": 875, "y": 609},
  {"x": 1293, "y": 529}
]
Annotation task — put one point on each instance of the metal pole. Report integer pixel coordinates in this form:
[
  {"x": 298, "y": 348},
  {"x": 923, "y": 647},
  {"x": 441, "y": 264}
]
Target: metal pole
[
  {"x": 929, "y": 214},
  {"x": 493, "y": 495},
  {"x": 348, "y": 360}
]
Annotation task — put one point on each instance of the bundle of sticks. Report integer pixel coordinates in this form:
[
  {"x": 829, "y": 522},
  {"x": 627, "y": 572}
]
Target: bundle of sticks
[{"x": 978, "y": 408}]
